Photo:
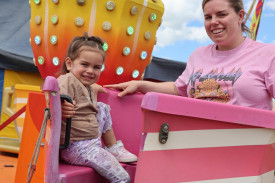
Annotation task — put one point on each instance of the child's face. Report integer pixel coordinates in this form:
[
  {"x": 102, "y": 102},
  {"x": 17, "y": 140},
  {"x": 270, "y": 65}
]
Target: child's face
[{"x": 87, "y": 67}]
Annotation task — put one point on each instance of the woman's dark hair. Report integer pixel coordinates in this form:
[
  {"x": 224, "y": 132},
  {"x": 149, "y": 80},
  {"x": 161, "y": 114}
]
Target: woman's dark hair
[
  {"x": 79, "y": 43},
  {"x": 237, "y": 5}
]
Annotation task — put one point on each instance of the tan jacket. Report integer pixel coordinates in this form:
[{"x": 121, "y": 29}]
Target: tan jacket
[{"x": 84, "y": 123}]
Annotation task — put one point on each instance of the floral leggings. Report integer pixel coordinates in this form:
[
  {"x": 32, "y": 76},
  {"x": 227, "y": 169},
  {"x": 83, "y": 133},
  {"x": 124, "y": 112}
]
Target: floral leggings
[{"x": 90, "y": 152}]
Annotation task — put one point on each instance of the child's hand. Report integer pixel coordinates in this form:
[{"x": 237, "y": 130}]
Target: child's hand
[
  {"x": 97, "y": 88},
  {"x": 67, "y": 109}
]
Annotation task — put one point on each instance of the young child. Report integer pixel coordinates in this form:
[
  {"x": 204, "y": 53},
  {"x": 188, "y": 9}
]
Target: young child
[{"x": 90, "y": 119}]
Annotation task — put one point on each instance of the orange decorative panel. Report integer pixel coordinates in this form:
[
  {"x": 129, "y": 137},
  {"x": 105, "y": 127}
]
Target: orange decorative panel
[{"x": 128, "y": 27}]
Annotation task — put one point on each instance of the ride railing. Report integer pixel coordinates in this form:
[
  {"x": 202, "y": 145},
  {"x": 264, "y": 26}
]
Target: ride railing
[{"x": 190, "y": 140}]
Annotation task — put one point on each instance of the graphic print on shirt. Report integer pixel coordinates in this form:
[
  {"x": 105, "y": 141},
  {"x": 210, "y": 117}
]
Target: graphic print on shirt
[{"x": 213, "y": 86}]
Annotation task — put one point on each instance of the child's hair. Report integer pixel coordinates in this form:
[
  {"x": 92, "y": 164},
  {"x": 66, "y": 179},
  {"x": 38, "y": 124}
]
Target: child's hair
[{"x": 77, "y": 45}]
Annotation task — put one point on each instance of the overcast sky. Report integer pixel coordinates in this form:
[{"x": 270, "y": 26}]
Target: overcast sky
[{"x": 182, "y": 29}]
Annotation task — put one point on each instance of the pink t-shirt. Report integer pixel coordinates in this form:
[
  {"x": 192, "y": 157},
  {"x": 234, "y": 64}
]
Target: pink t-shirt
[{"x": 243, "y": 76}]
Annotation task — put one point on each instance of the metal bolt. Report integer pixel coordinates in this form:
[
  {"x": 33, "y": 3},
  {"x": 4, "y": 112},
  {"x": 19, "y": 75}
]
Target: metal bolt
[{"x": 163, "y": 141}]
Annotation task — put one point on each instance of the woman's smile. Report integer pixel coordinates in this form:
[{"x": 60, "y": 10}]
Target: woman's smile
[{"x": 217, "y": 31}]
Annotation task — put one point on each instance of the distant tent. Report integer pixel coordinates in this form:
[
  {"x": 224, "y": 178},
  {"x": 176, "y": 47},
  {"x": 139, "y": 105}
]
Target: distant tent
[
  {"x": 163, "y": 70},
  {"x": 16, "y": 59},
  {"x": 15, "y": 50}
]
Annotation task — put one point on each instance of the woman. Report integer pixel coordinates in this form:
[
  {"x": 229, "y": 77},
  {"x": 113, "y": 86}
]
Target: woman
[{"x": 235, "y": 69}]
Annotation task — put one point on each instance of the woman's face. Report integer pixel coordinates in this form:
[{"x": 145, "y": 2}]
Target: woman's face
[{"x": 223, "y": 24}]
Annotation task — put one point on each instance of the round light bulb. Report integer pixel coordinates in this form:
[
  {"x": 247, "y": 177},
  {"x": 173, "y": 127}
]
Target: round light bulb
[
  {"x": 130, "y": 30},
  {"x": 147, "y": 35},
  {"x": 37, "y": 1},
  {"x": 55, "y": 1},
  {"x": 119, "y": 70},
  {"x": 126, "y": 51},
  {"x": 152, "y": 17},
  {"x": 135, "y": 73},
  {"x": 81, "y": 2},
  {"x": 37, "y": 40},
  {"x": 37, "y": 20},
  {"x": 79, "y": 21},
  {"x": 110, "y": 5},
  {"x": 56, "y": 61},
  {"x": 143, "y": 55},
  {"x": 41, "y": 60},
  {"x": 54, "y": 19},
  {"x": 106, "y": 26},
  {"x": 53, "y": 39},
  {"x": 105, "y": 46},
  {"x": 134, "y": 10},
  {"x": 103, "y": 68}
]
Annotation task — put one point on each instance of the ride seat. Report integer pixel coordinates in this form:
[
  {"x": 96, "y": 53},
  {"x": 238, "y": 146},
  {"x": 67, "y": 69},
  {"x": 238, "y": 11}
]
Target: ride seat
[{"x": 127, "y": 124}]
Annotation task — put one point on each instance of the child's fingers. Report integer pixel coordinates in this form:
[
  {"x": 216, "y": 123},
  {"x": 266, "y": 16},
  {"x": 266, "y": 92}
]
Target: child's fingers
[
  {"x": 68, "y": 104},
  {"x": 102, "y": 90},
  {"x": 68, "y": 109},
  {"x": 74, "y": 102},
  {"x": 67, "y": 114}
]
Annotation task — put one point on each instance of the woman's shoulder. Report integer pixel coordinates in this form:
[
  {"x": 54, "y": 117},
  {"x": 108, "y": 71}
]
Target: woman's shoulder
[
  {"x": 203, "y": 50},
  {"x": 266, "y": 50},
  {"x": 261, "y": 51},
  {"x": 261, "y": 45}
]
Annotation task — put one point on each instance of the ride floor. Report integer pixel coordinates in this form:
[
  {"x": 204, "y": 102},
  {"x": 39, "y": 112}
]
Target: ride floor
[{"x": 8, "y": 163}]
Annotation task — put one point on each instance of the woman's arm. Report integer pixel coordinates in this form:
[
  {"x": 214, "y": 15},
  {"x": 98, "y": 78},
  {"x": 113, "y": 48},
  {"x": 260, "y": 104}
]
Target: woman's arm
[{"x": 144, "y": 87}]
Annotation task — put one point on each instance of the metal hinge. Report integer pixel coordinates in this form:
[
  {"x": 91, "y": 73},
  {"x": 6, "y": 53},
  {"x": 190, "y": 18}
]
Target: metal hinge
[{"x": 163, "y": 133}]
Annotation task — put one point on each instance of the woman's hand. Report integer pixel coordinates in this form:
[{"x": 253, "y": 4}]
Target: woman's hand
[
  {"x": 67, "y": 109},
  {"x": 127, "y": 87}
]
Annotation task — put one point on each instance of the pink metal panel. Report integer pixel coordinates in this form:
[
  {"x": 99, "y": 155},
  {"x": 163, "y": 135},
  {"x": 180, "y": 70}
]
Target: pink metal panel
[
  {"x": 127, "y": 117},
  {"x": 52, "y": 135},
  {"x": 197, "y": 164},
  {"x": 183, "y": 122},
  {"x": 207, "y": 141},
  {"x": 178, "y": 105}
]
